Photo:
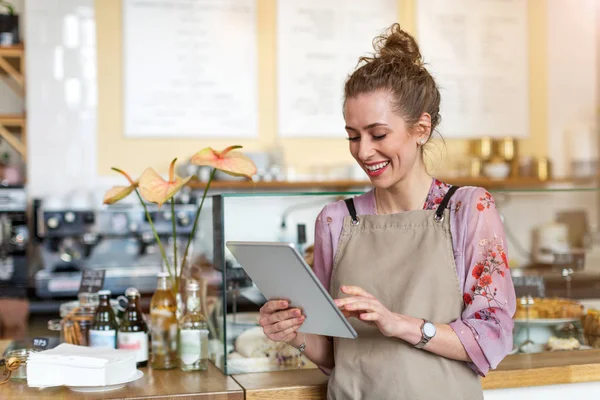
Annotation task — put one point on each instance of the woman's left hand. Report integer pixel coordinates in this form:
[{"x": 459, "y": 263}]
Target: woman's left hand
[{"x": 367, "y": 308}]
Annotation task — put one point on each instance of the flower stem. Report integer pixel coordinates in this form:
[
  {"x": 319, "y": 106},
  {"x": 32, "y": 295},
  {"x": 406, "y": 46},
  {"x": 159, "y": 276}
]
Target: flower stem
[
  {"x": 162, "y": 250},
  {"x": 187, "y": 247},
  {"x": 175, "y": 283}
]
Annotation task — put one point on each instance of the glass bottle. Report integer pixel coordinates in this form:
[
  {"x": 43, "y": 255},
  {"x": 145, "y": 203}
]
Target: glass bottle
[
  {"x": 163, "y": 331},
  {"x": 193, "y": 333},
  {"x": 103, "y": 332},
  {"x": 133, "y": 332}
]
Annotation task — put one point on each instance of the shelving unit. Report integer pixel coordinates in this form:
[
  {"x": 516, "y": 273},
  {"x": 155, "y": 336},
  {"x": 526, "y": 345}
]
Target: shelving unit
[
  {"x": 343, "y": 185},
  {"x": 12, "y": 72}
]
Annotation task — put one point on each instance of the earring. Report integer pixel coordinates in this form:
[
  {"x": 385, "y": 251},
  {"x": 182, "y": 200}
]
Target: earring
[{"x": 422, "y": 142}]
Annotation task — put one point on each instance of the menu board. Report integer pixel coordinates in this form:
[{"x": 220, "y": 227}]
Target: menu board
[
  {"x": 318, "y": 46},
  {"x": 477, "y": 52},
  {"x": 190, "y": 68}
]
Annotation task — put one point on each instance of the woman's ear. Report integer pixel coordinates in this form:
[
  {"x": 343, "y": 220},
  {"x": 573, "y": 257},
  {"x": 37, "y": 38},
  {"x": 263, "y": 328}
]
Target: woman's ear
[{"x": 423, "y": 130}]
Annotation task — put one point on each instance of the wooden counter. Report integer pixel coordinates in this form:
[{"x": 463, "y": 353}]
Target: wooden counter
[
  {"x": 311, "y": 384},
  {"x": 515, "y": 371},
  {"x": 156, "y": 384}
]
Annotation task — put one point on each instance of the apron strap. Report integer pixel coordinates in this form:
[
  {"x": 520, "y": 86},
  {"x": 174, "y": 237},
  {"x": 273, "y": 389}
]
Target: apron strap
[
  {"x": 352, "y": 210},
  {"x": 439, "y": 213}
]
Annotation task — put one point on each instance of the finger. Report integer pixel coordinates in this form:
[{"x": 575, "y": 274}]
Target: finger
[
  {"x": 272, "y": 306},
  {"x": 280, "y": 316},
  {"x": 356, "y": 290},
  {"x": 283, "y": 325},
  {"x": 365, "y": 305},
  {"x": 285, "y": 333},
  {"x": 369, "y": 316},
  {"x": 347, "y": 300}
]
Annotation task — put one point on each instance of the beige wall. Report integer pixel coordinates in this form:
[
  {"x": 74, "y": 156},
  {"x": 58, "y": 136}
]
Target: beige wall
[{"x": 135, "y": 154}]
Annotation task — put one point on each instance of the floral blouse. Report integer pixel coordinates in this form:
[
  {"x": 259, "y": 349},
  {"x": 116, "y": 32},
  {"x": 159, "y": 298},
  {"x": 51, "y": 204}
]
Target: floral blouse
[{"x": 479, "y": 243}]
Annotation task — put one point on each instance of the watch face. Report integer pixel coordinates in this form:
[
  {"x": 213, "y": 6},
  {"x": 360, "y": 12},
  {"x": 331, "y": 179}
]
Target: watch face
[{"x": 429, "y": 329}]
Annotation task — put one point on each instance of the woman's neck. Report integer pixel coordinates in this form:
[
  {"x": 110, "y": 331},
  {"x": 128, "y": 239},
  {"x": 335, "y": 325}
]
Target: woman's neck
[{"x": 408, "y": 194}]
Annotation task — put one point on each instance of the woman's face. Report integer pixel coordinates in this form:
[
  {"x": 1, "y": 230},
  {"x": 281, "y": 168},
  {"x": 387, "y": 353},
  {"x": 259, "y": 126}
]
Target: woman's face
[{"x": 379, "y": 139}]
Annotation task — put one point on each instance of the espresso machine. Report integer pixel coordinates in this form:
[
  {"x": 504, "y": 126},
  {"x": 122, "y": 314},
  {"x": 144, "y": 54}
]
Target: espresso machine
[
  {"x": 116, "y": 238},
  {"x": 14, "y": 238}
]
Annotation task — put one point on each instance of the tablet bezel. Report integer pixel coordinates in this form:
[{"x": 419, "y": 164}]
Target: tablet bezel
[{"x": 350, "y": 332}]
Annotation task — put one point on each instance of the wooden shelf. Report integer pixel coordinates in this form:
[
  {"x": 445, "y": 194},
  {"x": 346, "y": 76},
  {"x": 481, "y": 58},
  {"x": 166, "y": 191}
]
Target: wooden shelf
[
  {"x": 345, "y": 185},
  {"x": 13, "y": 130},
  {"x": 12, "y": 68}
]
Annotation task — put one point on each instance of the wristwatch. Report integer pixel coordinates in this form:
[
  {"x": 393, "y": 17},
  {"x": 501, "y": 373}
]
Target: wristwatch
[{"x": 427, "y": 333}]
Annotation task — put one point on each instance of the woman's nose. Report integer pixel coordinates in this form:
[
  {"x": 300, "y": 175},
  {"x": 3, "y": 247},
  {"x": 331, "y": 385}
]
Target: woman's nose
[{"x": 366, "y": 150}]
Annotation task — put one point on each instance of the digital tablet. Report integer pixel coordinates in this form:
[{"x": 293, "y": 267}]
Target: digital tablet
[{"x": 280, "y": 272}]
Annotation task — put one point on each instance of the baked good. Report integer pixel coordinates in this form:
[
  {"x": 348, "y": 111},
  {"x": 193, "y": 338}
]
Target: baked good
[
  {"x": 591, "y": 328},
  {"x": 253, "y": 343},
  {"x": 556, "y": 344},
  {"x": 550, "y": 308}
]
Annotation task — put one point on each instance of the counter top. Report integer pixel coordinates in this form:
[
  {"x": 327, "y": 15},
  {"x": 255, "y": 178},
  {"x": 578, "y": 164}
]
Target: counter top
[
  {"x": 524, "y": 370},
  {"x": 515, "y": 371}
]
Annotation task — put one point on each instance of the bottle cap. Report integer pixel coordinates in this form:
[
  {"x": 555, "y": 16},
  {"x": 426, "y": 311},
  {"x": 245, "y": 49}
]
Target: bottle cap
[
  {"x": 192, "y": 285},
  {"x": 104, "y": 292},
  {"x": 132, "y": 292}
]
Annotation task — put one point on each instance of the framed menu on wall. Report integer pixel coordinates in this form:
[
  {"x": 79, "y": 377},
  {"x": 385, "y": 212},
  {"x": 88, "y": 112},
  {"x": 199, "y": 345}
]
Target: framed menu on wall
[
  {"x": 318, "y": 45},
  {"x": 190, "y": 68},
  {"x": 477, "y": 52}
]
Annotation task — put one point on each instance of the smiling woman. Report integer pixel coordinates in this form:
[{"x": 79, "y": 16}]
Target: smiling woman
[{"x": 418, "y": 266}]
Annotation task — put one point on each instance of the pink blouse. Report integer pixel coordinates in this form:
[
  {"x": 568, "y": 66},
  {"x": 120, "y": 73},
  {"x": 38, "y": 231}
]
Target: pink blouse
[{"x": 486, "y": 325}]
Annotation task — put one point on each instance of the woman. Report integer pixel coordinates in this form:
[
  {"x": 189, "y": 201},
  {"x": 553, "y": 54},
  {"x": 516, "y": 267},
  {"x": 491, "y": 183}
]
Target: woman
[{"x": 418, "y": 266}]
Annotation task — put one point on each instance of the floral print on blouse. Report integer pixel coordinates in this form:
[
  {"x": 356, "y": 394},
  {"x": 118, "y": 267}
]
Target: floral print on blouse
[{"x": 480, "y": 252}]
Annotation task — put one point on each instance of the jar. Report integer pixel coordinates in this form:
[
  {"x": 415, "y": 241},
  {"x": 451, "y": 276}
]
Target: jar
[
  {"x": 76, "y": 319},
  {"x": 19, "y": 374}
]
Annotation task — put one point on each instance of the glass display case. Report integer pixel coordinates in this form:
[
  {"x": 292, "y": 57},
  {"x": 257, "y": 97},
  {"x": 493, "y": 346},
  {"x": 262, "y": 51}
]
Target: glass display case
[{"x": 553, "y": 248}]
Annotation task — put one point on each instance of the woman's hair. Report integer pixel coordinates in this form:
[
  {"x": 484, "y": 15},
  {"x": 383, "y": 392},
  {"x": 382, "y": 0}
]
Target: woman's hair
[{"x": 397, "y": 67}]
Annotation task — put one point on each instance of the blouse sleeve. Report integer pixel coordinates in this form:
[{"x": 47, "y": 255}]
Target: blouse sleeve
[
  {"x": 323, "y": 251},
  {"x": 486, "y": 325}
]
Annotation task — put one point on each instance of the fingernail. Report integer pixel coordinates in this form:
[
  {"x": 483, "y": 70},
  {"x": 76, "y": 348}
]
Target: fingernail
[{"x": 283, "y": 304}]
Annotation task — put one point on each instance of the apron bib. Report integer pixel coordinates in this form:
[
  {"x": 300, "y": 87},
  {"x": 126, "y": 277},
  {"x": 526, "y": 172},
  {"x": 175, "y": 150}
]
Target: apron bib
[{"x": 406, "y": 261}]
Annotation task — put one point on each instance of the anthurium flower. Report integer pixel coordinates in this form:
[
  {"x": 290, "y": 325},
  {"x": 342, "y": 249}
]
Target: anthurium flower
[
  {"x": 229, "y": 161},
  {"x": 117, "y": 193},
  {"x": 155, "y": 189}
]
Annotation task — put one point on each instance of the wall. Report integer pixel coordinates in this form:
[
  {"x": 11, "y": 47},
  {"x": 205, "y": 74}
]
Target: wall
[
  {"x": 81, "y": 158},
  {"x": 135, "y": 154},
  {"x": 572, "y": 67},
  {"x": 61, "y": 98}
]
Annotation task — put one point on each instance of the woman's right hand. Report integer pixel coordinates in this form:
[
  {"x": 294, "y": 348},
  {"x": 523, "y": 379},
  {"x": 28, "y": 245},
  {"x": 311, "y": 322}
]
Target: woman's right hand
[{"x": 278, "y": 322}]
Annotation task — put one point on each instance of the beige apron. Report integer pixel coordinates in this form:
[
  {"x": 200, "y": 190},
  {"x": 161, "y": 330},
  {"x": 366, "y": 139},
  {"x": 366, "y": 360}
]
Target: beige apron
[{"x": 406, "y": 261}]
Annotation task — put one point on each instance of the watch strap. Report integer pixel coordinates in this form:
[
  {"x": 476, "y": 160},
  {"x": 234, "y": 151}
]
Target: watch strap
[{"x": 424, "y": 338}]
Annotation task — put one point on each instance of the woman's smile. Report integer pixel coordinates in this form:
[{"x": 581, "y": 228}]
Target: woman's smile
[{"x": 376, "y": 169}]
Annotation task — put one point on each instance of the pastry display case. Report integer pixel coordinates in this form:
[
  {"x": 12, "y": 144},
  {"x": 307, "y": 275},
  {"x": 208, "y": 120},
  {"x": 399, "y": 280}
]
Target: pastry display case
[{"x": 553, "y": 248}]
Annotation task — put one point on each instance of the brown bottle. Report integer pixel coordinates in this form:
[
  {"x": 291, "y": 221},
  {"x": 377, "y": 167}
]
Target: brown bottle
[
  {"x": 103, "y": 332},
  {"x": 133, "y": 332}
]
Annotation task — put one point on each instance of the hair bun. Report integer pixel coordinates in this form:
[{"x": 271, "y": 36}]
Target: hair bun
[{"x": 396, "y": 43}]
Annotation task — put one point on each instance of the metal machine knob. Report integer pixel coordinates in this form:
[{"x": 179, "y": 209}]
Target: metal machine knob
[
  {"x": 53, "y": 222},
  {"x": 183, "y": 219},
  {"x": 70, "y": 217}
]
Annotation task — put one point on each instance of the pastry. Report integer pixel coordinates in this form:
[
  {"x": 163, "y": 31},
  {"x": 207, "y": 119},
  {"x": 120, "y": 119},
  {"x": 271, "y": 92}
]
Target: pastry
[
  {"x": 556, "y": 344},
  {"x": 550, "y": 308}
]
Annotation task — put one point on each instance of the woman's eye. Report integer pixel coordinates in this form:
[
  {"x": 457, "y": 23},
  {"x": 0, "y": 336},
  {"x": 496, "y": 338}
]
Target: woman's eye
[
  {"x": 379, "y": 137},
  {"x": 354, "y": 139}
]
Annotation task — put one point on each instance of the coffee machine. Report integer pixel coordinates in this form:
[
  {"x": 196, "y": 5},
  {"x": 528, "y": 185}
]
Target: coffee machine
[
  {"x": 14, "y": 238},
  {"x": 117, "y": 238}
]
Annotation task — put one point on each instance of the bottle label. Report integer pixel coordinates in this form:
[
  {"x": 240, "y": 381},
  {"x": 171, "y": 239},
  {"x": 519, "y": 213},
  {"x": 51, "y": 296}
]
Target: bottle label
[
  {"x": 137, "y": 341},
  {"x": 103, "y": 339},
  {"x": 192, "y": 343}
]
